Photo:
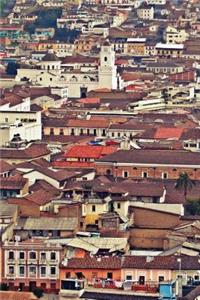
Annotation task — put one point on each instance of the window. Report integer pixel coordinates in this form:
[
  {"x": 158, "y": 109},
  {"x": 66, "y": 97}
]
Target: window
[
  {"x": 43, "y": 271},
  {"x": 144, "y": 174},
  {"x": 142, "y": 280},
  {"x": 81, "y": 131},
  {"x": 11, "y": 270},
  {"x": 32, "y": 270},
  {"x": 164, "y": 175},
  {"x": 53, "y": 256},
  {"x": 128, "y": 277},
  {"x": 21, "y": 255},
  {"x": 53, "y": 270},
  {"x": 93, "y": 208},
  {"x": 67, "y": 275},
  {"x": 61, "y": 131},
  {"x": 32, "y": 255},
  {"x": 21, "y": 271},
  {"x": 43, "y": 255},
  {"x": 11, "y": 255},
  {"x": 109, "y": 275},
  {"x": 51, "y": 131},
  {"x": 161, "y": 278},
  {"x": 105, "y": 58},
  {"x": 118, "y": 205},
  {"x": 72, "y": 131},
  {"x": 125, "y": 174}
]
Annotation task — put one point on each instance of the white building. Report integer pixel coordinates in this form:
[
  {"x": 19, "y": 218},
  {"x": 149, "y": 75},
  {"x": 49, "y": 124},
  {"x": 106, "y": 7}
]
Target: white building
[
  {"x": 27, "y": 125},
  {"x": 49, "y": 72}
]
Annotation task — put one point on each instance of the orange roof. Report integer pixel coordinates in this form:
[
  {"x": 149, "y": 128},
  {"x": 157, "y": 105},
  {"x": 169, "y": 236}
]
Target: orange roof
[
  {"x": 89, "y": 100},
  {"x": 73, "y": 164},
  {"x": 167, "y": 133},
  {"x": 88, "y": 151},
  {"x": 133, "y": 87},
  {"x": 88, "y": 123},
  {"x": 121, "y": 62},
  {"x": 8, "y": 295}
]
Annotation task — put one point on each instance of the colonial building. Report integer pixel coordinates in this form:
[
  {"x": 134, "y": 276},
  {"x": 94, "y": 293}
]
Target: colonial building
[
  {"x": 79, "y": 82},
  {"x": 30, "y": 264},
  {"x": 166, "y": 164}
]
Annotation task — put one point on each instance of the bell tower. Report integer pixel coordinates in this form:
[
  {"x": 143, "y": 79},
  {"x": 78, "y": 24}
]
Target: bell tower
[{"x": 107, "y": 68}]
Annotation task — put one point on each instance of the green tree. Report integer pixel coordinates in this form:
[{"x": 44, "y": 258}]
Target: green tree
[
  {"x": 184, "y": 183},
  {"x": 193, "y": 207}
]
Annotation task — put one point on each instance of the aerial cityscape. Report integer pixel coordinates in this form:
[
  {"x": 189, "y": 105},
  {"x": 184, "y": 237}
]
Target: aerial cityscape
[{"x": 100, "y": 149}]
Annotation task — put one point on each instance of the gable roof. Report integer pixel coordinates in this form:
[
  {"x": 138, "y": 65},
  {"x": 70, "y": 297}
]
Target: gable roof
[
  {"x": 46, "y": 223},
  {"x": 87, "y": 151},
  {"x": 162, "y": 157},
  {"x": 168, "y": 133},
  {"x": 88, "y": 262},
  {"x": 32, "y": 151}
]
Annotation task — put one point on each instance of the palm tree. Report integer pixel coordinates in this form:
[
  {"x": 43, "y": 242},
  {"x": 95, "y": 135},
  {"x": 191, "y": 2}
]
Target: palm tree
[{"x": 184, "y": 183}]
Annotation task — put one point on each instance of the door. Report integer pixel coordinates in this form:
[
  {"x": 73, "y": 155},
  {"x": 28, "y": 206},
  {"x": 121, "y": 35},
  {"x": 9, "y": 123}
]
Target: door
[{"x": 32, "y": 285}]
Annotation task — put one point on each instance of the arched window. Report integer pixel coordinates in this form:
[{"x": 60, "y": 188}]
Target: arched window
[{"x": 105, "y": 59}]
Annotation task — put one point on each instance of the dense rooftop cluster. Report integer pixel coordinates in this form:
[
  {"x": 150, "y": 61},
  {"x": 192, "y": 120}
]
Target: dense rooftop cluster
[{"x": 100, "y": 149}]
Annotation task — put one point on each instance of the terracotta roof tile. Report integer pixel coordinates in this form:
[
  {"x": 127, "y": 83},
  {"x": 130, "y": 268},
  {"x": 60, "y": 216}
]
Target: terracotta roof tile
[
  {"x": 161, "y": 262},
  {"x": 12, "y": 182},
  {"x": 32, "y": 151},
  {"x": 168, "y": 133},
  {"x": 94, "y": 263},
  {"x": 173, "y": 157},
  {"x": 87, "y": 151},
  {"x": 88, "y": 123}
]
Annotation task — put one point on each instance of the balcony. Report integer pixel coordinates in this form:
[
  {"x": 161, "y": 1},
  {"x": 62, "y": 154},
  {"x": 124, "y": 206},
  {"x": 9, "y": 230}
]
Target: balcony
[
  {"x": 135, "y": 287},
  {"x": 53, "y": 261},
  {"x": 53, "y": 275},
  {"x": 43, "y": 261},
  {"x": 21, "y": 261},
  {"x": 32, "y": 261},
  {"x": 10, "y": 275},
  {"x": 11, "y": 261},
  {"x": 32, "y": 275}
]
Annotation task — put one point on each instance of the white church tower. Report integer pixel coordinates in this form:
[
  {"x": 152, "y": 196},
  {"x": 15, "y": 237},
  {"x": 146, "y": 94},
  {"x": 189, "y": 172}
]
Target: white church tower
[{"x": 107, "y": 68}]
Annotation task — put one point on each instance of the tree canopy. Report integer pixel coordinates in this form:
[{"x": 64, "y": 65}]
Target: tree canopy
[{"x": 184, "y": 183}]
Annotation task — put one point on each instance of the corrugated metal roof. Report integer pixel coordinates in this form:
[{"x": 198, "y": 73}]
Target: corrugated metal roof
[{"x": 50, "y": 224}]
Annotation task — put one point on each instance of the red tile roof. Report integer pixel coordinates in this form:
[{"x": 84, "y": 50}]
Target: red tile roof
[
  {"x": 89, "y": 100},
  {"x": 161, "y": 262},
  {"x": 88, "y": 262},
  {"x": 5, "y": 167},
  {"x": 31, "y": 152},
  {"x": 88, "y": 123},
  {"x": 8, "y": 295},
  {"x": 13, "y": 182},
  {"x": 87, "y": 151},
  {"x": 168, "y": 133}
]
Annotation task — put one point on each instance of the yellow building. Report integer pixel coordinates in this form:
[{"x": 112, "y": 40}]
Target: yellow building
[
  {"x": 136, "y": 46},
  {"x": 92, "y": 209}
]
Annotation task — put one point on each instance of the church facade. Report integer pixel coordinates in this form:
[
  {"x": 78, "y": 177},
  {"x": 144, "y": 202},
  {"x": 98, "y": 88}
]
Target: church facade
[{"x": 51, "y": 72}]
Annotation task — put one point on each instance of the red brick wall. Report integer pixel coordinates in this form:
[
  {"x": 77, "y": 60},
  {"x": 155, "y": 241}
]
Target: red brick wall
[{"x": 135, "y": 172}]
